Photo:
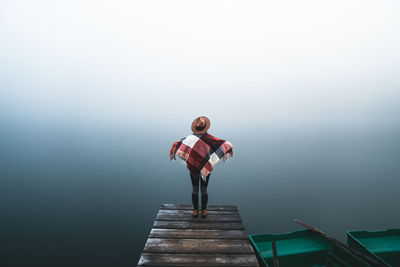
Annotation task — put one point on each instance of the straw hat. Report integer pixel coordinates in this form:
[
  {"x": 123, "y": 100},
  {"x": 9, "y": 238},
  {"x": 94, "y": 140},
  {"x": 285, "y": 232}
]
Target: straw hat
[{"x": 200, "y": 125}]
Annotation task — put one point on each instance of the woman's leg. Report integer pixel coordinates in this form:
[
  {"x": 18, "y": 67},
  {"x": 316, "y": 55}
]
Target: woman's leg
[
  {"x": 204, "y": 194},
  {"x": 195, "y": 192}
]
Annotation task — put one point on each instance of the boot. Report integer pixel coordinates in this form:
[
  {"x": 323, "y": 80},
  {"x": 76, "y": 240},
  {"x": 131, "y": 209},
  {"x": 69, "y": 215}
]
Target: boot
[
  {"x": 204, "y": 200},
  {"x": 203, "y": 213},
  {"x": 195, "y": 201},
  {"x": 195, "y": 213}
]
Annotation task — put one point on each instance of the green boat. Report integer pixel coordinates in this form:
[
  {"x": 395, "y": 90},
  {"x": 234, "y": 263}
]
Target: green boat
[
  {"x": 302, "y": 248},
  {"x": 381, "y": 245}
]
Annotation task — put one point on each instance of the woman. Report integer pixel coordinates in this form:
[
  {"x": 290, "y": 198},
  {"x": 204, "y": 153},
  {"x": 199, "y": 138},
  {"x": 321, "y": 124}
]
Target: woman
[{"x": 201, "y": 151}]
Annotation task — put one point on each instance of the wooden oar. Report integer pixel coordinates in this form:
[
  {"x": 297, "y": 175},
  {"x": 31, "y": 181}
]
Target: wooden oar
[
  {"x": 366, "y": 258},
  {"x": 276, "y": 262}
]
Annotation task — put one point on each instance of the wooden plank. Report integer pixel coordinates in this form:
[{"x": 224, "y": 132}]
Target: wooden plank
[
  {"x": 198, "y": 246},
  {"x": 189, "y": 217},
  {"x": 190, "y": 233},
  {"x": 199, "y": 224},
  {"x": 157, "y": 259},
  {"x": 190, "y": 207},
  {"x": 189, "y": 212},
  {"x": 178, "y": 239}
]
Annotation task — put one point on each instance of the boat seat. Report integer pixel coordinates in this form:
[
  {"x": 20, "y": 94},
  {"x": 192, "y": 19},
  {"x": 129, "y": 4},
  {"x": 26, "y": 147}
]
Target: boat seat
[
  {"x": 382, "y": 244},
  {"x": 293, "y": 246}
]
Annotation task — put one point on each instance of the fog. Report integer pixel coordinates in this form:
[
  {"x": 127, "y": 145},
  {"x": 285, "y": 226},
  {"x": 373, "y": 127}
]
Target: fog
[
  {"x": 164, "y": 62},
  {"x": 93, "y": 93}
]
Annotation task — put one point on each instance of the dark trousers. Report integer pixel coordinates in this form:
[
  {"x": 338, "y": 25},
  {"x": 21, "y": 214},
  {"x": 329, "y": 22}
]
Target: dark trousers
[{"x": 196, "y": 183}]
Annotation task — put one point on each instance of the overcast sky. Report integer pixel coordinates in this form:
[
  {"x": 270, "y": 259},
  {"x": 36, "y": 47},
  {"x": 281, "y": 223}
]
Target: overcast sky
[{"x": 165, "y": 61}]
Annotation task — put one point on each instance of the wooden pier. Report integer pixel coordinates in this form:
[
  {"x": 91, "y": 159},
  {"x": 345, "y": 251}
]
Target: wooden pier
[{"x": 178, "y": 239}]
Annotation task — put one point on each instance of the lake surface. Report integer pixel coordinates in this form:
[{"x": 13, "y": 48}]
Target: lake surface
[{"x": 80, "y": 195}]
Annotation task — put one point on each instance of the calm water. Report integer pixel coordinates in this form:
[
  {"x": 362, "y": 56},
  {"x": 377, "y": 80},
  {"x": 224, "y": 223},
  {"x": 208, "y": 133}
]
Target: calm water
[{"x": 75, "y": 195}]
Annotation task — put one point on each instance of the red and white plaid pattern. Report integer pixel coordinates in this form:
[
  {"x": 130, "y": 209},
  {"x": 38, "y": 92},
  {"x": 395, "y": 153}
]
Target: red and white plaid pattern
[{"x": 201, "y": 152}]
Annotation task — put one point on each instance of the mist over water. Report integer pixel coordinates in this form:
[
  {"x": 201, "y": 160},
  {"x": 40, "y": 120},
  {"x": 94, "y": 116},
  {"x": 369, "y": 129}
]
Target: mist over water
[
  {"x": 93, "y": 94},
  {"x": 88, "y": 196}
]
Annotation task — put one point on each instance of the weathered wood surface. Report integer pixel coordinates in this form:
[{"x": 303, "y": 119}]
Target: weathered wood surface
[
  {"x": 198, "y": 225},
  {"x": 189, "y": 212},
  {"x": 178, "y": 239},
  {"x": 194, "y": 233},
  {"x": 166, "y": 259},
  {"x": 190, "y": 207},
  {"x": 197, "y": 246},
  {"x": 186, "y": 215}
]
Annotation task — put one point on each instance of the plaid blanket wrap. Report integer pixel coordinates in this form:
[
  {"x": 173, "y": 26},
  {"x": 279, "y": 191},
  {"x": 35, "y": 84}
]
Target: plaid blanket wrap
[{"x": 201, "y": 152}]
